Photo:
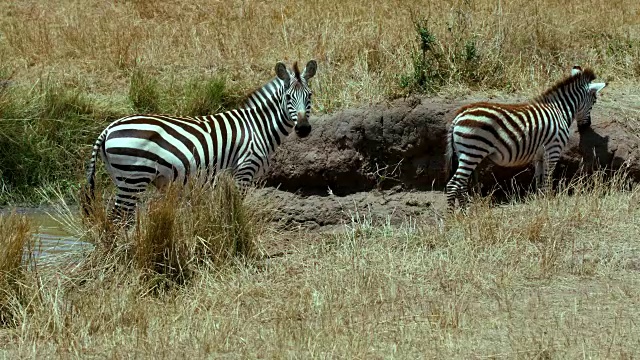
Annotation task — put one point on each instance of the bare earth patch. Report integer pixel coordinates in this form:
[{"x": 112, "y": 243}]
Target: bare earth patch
[{"x": 331, "y": 212}]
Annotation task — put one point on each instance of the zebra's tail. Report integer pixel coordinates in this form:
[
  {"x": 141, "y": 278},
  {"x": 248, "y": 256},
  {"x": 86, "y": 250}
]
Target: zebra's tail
[
  {"x": 89, "y": 189},
  {"x": 450, "y": 157}
]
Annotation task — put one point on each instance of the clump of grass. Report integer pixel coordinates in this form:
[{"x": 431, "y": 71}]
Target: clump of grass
[
  {"x": 144, "y": 91},
  {"x": 208, "y": 96},
  {"x": 15, "y": 238},
  {"x": 457, "y": 59},
  {"x": 183, "y": 230}
]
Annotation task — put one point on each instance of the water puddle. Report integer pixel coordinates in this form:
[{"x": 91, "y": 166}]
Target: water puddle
[{"x": 52, "y": 240}]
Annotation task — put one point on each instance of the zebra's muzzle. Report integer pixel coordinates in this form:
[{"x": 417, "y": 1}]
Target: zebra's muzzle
[{"x": 302, "y": 130}]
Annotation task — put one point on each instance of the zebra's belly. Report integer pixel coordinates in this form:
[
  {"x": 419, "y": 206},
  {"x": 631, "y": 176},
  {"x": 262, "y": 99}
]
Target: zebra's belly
[{"x": 501, "y": 161}]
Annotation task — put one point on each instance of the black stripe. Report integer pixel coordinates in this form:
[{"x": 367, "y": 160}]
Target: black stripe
[
  {"x": 141, "y": 169},
  {"x": 467, "y": 162},
  {"x": 158, "y": 139},
  {"x": 131, "y": 190},
  {"x": 475, "y": 137},
  {"x": 140, "y": 154},
  {"x": 221, "y": 134},
  {"x": 135, "y": 168},
  {"x": 473, "y": 155}
]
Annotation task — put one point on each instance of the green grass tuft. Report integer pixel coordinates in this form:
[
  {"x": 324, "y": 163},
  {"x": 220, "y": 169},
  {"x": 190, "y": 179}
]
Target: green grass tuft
[
  {"x": 144, "y": 91},
  {"x": 208, "y": 96}
]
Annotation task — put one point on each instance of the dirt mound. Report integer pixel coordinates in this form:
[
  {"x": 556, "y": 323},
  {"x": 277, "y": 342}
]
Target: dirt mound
[
  {"x": 402, "y": 143},
  {"x": 330, "y": 212}
]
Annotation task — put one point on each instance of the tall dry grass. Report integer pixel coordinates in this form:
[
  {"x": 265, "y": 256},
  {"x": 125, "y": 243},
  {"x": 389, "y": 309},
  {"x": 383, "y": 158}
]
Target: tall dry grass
[
  {"x": 15, "y": 240},
  {"x": 553, "y": 277},
  {"x": 178, "y": 232},
  {"x": 363, "y": 49}
]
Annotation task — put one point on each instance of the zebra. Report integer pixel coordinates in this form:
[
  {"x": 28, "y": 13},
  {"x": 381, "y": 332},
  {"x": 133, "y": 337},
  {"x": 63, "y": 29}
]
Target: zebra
[
  {"x": 139, "y": 150},
  {"x": 517, "y": 134}
]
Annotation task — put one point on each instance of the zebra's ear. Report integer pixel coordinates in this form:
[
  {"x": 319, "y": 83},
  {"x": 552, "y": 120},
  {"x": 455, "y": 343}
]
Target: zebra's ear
[
  {"x": 310, "y": 70},
  {"x": 576, "y": 70},
  {"x": 282, "y": 72},
  {"x": 597, "y": 87}
]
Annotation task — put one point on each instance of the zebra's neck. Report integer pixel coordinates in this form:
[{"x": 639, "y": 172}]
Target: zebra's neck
[
  {"x": 566, "y": 97},
  {"x": 268, "y": 103}
]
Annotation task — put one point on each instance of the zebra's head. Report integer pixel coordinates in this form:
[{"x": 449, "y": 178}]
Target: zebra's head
[
  {"x": 297, "y": 94},
  {"x": 583, "y": 111}
]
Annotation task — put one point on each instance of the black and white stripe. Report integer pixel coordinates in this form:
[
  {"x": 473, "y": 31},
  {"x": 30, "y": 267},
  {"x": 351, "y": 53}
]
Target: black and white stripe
[
  {"x": 139, "y": 150},
  {"x": 517, "y": 134}
]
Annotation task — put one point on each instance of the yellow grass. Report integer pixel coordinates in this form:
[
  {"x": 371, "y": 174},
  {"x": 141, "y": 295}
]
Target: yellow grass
[
  {"x": 174, "y": 233},
  {"x": 15, "y": 238},
  {"x": 363, "y": 48},
  {"x": 553, "y": 277}
]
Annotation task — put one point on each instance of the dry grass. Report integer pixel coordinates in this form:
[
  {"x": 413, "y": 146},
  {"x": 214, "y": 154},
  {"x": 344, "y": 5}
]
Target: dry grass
[
  {"x": 177, "y": 232},
  {"x": 553, "y": 277},
  {"x": 363, "y": 50},
  {"x": 74, "y": 66},
  {"x": 15, "y": 238}
]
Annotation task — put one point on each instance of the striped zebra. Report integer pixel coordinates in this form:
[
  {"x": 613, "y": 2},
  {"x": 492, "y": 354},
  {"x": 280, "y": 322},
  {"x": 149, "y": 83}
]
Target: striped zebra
[
  {"x": 517, "y": 134},
  {"x": 139, "y": 150}
]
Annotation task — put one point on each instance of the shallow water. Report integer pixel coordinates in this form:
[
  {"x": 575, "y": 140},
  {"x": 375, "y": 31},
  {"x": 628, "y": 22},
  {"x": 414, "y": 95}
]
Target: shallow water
[{"x": 52, "y": 239}]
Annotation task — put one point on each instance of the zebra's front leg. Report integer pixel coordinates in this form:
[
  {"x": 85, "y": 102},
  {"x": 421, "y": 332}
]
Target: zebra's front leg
[
  {"x": 244, "y": 183},
  {"x": 538, "y": 176},
  {"x": 244, "y": 174},
  {"x": 548, "y": 166}
]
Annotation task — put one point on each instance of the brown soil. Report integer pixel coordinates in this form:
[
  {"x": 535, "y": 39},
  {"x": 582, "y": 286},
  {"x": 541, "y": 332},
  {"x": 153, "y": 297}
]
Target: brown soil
[{"x": 329, "y": 212}]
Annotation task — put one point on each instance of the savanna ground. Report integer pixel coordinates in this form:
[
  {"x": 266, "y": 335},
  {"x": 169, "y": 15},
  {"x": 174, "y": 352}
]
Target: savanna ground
[{"x": 537, "y": 277}]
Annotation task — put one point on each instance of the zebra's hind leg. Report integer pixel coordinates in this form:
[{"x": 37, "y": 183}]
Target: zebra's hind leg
[
  {"x": 463, "y": 197},
  {"x": 125, "y": 205},
  {"x": 547, "y": 172},
  {"x": 457, "y": 190},
  {"x": 243, "y": 177},
  {"x": 451, "y": 192}
]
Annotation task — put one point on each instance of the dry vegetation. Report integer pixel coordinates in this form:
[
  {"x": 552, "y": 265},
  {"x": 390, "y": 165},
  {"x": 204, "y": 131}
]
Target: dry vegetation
[
  {"x": 553, "y": 277},
  {"x": 74, "y": 66},
  {"x": 363, "y": 49}
]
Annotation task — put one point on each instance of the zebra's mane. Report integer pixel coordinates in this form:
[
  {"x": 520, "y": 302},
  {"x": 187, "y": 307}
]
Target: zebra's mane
[
  {"x": 296, "y": 71},
  {"x": 274, "y": 83},
  {"x": 586, "y": 76},
  {"x": 251, "y": 98}
]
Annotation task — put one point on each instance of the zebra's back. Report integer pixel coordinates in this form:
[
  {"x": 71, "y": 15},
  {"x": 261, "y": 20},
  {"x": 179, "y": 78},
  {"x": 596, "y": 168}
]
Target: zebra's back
[{"x": 174, "y": 147}]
